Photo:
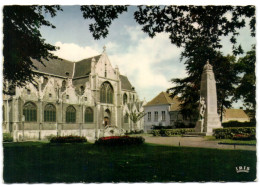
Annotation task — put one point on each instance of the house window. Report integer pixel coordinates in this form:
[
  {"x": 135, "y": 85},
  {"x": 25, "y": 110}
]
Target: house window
[
  {"x": 70, "y": 114},
  {"x": 49, "y": 113},
  {"x": 50, "y": 95},
  {"x": 126, "y": 118},
  {"x": 86, "y": 99},
  {"x": 155, "y": 116},
  {"x": 125, "y": 99},
  {"x": 106, "y": 93},
  {"x": 30, "y": 112},
  {"x": 89, "y": 115},
  {"x": 28, "y": 91},
  {"x": 149, "y": 116},
  {"x": 163, "y": 115},
  {"x": 67, "y": 96}
]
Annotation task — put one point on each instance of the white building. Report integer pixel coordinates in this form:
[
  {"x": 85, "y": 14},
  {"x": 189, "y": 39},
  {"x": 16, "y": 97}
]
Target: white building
[
  {"x": 71, "y": 98},
  {"x": 162, "y": 111}
]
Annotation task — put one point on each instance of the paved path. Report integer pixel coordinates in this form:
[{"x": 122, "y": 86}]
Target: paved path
[{"x": 193, "y": 142}]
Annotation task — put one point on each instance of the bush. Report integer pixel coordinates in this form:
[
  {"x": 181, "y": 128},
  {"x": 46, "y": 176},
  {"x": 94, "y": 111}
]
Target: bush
[
  {"x": 238, "y": 124},
  {"x": 229, "y": 133},
  {"x": 244, "y": 137},
  {"x": 134, "y": 132},
  {"x": 158, "y": 127},
  {"x": 68, "y": 139},
  {"x": 172, "y": 132},
  {"x": 7, "y": 137},
  {"x": 119, "y": 140}
]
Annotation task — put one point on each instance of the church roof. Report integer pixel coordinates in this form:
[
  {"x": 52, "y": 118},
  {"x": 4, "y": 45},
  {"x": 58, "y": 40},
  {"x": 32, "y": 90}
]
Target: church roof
[
  {"x": 164, "y": 99},
  {"x": 235, "y": 113},
  {"x": 59, "y": 67},
  {"x": 125, "y": 84},
  {"x": 83, "y": 67}
]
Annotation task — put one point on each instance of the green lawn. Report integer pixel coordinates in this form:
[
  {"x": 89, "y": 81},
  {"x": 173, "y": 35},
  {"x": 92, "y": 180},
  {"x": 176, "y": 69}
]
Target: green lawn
[
  {"x": 33, "y": 162},
  {"x": 231, "y": 141}
]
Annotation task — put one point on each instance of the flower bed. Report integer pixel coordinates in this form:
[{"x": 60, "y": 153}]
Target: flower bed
[
  {"x": 244, "y": 137},
  {"x": 119, "y": 140},
  {"x": 68, "y": 139},
  {"x": 229, "y": 133}
]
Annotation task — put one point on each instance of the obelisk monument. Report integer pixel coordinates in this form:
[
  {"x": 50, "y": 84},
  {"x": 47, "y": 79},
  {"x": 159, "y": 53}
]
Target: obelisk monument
[{"x": 208, "y": 118}]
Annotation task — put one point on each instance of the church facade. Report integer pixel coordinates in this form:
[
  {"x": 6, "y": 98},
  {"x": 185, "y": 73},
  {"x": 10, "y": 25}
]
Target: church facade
[{"x": 71, "y": 98}]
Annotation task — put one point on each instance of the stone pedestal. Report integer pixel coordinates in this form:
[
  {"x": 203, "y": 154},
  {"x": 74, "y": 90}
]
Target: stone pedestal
[{"x": 209, "y": 118}]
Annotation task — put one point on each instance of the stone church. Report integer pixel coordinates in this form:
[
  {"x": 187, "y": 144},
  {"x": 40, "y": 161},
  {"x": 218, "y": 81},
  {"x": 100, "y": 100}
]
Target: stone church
[{"x": 72, "y": 98}]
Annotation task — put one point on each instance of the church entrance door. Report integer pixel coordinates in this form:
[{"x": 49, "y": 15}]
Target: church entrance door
[{"x": 107, "y": 117}]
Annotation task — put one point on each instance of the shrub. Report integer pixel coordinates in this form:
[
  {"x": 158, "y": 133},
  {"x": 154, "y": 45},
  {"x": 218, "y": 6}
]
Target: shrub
[
  {"x": 172, "y": 132},
  {"x": 7, "y": 137},
  {"x": 229, "y": 133},
  {"x": 244, "y": 137},
  {"x": 68, "y": 139},
  {"x": 156, "y": 127},
  {"x": 238, "y": 124},
  {"x": 119, "y": 140},
  {"x": 134, "y": 132}
]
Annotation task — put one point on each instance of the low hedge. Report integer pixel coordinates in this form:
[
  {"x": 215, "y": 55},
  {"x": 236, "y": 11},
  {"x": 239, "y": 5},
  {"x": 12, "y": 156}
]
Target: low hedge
[
  {"x": 238, "y": 124},
  {"x": 68, "y": 139},
  {"x": 7, "y": 137},
  {"x": 119, "y": 140},
  {"x": 172, "y": 132},
  {"x": 229, "y": 133}
]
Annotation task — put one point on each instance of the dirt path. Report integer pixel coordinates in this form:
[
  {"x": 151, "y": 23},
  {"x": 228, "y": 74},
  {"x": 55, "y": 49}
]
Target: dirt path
[{"x": 194, "y": 142}]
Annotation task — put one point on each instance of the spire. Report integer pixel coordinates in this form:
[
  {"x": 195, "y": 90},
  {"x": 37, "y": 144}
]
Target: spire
[{"x": 104, "y": 49}]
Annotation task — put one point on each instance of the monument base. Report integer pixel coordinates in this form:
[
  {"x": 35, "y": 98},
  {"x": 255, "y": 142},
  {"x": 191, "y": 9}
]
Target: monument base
[{"x": 198, "y": 127}]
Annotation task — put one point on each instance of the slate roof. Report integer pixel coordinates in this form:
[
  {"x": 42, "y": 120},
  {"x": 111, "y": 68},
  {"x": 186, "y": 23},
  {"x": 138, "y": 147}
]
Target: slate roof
[
  {"x": 164, "y": 99},
  {"x": 83, "y": 67},
  {"x": 235, "y": 113},
  {"x": 61, "y": 67},
  {"x": 55, "y": 66},
  {"x": 125, "y": 84}
]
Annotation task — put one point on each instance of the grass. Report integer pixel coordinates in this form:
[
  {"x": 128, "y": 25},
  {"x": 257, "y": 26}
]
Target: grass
[
  {"x": 32, "y": 162},
  {"x": 230, "y": 141}
]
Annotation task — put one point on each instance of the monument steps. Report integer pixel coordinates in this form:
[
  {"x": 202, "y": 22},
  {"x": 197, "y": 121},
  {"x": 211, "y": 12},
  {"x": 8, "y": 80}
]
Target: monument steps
[{"x": 194, "y": 134}]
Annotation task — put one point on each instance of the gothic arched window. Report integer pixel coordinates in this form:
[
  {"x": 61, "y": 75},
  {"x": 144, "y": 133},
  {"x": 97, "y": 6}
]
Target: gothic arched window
[
  {"x": 126, "y": 118},
  {"x": 124, "y": 99},
  {"x": 89, "y": 115},
  {"x": 70, "y": 114},
  {"x": 106, "y": 93},
  {"x": 49, "y": 113},
  {"x": 30, "y": 112}
]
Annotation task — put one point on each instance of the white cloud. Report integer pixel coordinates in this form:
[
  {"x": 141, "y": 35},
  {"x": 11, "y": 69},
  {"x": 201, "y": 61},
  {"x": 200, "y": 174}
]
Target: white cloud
[
  {"x": 136, "y": 60},
  {"x": 74, "y": 52}
]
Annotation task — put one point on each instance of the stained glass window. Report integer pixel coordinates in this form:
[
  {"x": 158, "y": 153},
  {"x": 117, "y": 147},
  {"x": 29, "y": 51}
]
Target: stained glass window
[
  {"x": 49, "y": 113},
  {"x": 106, "y": 93},
  {"x": 89, "y": 115},
  {"x": 70, "y": 114},
  {"x": 30, "y": 112}
]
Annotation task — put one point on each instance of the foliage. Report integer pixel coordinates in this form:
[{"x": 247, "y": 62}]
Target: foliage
[
  {"x": 238, "y": 124},
  {"x": 244, "y": 137},
  {"x": 228, "y": 133},
  {"x": 136, "y": 116},
  {"x": 247, "y": 86},
  {"x": 134, "y": 132},
  {"x": 7, "y": 137},
  {"x": 119, "y": 140},
  {"x": 68, "y": 139},
  {"x": 172, "y": 132},
  {"x": 103, "y": 16},
  {"x": 23, "y": 42},
  {"x": 196, "y": 54},
  {"x": 49, "y": 137},
  {"x": 158, "y": 127}
]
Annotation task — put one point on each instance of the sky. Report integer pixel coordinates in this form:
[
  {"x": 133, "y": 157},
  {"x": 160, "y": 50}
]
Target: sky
[{"x": 149, "y": 63}]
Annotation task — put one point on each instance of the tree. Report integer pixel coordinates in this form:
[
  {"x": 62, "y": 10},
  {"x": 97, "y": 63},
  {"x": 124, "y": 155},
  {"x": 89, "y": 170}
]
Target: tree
[
  {"x": 136, "y": 116},
  {"x": 23, "y": 41},
  {"x": 247, "y": 86},
  {"x": 183, "y": 23},
  {"x": 196, "y": 53}
]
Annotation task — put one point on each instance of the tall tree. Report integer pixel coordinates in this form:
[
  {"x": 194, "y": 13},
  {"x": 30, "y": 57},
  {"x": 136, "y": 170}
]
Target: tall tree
[
  {"x": 196, "y": 53},
  {"x": 247, "y": 86},
  {"x": 23, "y": 41}
]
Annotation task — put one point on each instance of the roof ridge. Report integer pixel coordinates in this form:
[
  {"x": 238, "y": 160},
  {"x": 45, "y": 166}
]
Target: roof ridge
[{"x": 89, "y": 58}]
